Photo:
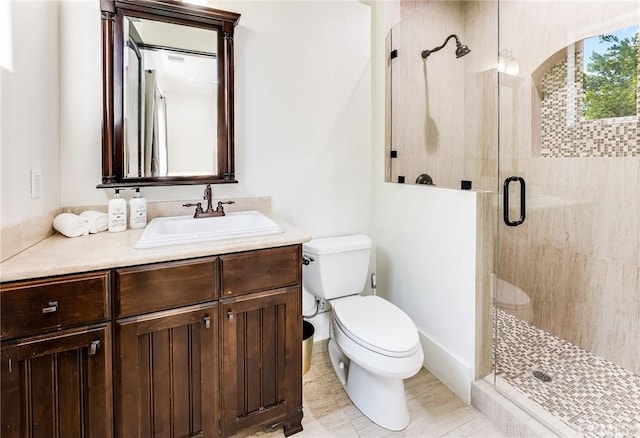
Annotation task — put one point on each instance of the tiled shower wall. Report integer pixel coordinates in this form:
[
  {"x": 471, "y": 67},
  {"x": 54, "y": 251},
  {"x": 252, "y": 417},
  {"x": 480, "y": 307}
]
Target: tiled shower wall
[
  {"x": 577, "y": 255},
  {"x": 441, "y": 116},
  {"x": 425, "y": 101},
  {"x": 561, "y": 101}
]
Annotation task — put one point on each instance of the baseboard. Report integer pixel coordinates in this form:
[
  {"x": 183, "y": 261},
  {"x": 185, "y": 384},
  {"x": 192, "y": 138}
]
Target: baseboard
[{"x": 447, "y": 367}]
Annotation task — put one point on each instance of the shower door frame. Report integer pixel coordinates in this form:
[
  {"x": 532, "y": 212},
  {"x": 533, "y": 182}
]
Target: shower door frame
[{"x": 566, "y": 204}]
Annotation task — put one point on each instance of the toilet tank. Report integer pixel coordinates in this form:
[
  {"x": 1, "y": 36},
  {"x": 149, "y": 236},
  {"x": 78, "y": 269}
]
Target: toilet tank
[{"x": 339, "y": 267}]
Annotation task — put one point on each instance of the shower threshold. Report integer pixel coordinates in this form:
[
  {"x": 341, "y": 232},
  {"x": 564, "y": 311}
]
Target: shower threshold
[{"x": 513, "y": 412}]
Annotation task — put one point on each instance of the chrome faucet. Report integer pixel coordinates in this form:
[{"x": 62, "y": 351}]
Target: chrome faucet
[{"x": 209, "y": 212}]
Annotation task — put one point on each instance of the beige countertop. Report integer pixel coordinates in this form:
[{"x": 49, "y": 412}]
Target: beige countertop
[{"x": 58, "y": 254}]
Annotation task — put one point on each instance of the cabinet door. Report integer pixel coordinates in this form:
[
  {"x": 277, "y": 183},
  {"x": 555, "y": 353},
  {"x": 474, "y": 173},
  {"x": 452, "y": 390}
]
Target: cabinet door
[
  {"x": 261, "y": 342},
  {"x": 58, "y": 385},
  {"x": 167, "y": 373}
]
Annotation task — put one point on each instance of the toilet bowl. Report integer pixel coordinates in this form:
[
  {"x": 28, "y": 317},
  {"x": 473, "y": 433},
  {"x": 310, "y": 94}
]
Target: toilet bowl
[{"x": 373, "y": 344}]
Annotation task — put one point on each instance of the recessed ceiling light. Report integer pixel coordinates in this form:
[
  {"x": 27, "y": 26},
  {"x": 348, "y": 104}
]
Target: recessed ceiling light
[{"x": 175, "y": 58}]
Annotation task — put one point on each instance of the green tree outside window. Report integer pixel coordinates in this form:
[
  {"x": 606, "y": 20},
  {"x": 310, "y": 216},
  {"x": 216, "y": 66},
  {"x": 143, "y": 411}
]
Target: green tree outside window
[{"x": 611, "y": 78}]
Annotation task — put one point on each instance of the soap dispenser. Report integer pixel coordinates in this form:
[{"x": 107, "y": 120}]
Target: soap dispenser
[
  {"x": 117, "y": 212},
  {"x": 137, "y": 211}
]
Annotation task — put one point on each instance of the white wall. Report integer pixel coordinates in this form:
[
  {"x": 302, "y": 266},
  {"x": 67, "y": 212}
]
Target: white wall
[
  {"x": 80, "y": 103},
  {"x": 304, "y": 110},
  {"x": 426, "y": 251},
  {"x": 426, "y": 259},
  {"x": 303, "y": 124},
  {"x": 29, "y": 112}
]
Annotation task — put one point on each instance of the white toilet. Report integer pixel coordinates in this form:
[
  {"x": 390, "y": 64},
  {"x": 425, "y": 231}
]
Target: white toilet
[{"x": 374, "y": 345}]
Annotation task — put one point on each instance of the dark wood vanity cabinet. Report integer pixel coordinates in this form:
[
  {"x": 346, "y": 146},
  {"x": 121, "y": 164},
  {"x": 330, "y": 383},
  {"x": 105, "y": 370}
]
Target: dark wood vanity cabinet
[
  {"x": 166, "y": 343},
  {"x": 202, "y": 347},
  {"x": 261, "y": 340},
  {"x": 56, "y": 357},
  {"x": 170, "y": 378}
]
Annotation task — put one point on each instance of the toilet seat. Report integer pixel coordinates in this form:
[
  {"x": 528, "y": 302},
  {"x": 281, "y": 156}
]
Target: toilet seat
[
  {"x": 377, "y": 325},
  {"x": 374, "y": 362}
]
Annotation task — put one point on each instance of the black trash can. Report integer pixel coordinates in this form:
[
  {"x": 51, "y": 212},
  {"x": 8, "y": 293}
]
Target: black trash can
[{"x": 307, "y": 345}]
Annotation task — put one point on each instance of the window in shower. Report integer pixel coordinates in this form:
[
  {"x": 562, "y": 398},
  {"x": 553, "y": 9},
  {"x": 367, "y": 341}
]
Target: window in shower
[
  {"x": 610, "y": 74},
  {"x": 587, "y": 98}
]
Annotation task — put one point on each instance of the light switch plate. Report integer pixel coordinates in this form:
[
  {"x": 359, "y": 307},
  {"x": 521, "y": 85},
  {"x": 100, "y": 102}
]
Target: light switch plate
[{"x": 36, "y": 183}]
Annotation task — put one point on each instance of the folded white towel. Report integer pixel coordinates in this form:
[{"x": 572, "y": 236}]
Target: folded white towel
[
  {"x": 71, "y": 225},
  {"x": 98, "y": 221}
]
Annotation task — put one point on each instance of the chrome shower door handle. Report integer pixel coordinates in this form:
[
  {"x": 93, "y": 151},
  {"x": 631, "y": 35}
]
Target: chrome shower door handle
[{"x": 523, "y": 198}]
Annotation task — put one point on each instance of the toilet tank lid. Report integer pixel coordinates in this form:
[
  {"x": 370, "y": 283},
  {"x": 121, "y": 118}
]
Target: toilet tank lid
[{"x": 330, "y": 245}]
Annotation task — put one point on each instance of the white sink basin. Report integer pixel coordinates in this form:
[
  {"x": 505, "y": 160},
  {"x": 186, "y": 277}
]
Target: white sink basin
[{"x": 176, "y": 230}]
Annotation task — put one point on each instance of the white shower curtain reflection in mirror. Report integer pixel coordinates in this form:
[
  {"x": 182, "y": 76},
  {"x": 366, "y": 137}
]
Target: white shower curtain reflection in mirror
[{"x": 155, "y": 127}]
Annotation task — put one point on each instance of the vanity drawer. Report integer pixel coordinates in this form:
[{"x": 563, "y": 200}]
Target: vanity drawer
[
  {"x": 29, "y": 307},
  {"x": 161, "y": 286},
  {"x": 260, "y": 270}
]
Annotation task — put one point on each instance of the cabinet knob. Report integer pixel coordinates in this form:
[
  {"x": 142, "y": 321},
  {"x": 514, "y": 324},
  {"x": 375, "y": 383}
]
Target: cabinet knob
[
  {"x": 207, "y": 322},
  {"x": 52, "y": 306},
  {"x": 230, "y": 315}
]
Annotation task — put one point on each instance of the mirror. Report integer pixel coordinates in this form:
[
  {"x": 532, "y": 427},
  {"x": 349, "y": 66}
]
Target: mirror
[
  {"x": 169, "y": 91},
  {"x": 167, "y": 94}
]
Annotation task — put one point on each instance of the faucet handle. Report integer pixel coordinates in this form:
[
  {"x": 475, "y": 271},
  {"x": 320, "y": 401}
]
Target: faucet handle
[
  {"x": 220, "y": 207},
  {"x": 197, "y": 205}
]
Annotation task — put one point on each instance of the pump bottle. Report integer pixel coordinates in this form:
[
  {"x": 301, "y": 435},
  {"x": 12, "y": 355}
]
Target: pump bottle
[
  {"x": 117, "y": 212},
  {"x": 137, "y": 211}
]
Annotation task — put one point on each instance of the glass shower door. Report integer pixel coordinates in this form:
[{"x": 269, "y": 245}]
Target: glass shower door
[{"x": 568, "y": 257}]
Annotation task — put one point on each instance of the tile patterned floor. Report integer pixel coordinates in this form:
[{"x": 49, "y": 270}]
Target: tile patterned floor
[
  {"x": 328, "y": 412},
  {"x": 590, "y": 394}
]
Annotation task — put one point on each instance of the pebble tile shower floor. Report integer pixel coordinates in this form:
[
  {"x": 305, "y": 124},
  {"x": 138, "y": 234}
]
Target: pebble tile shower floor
[{"x": 592, "y": 395}]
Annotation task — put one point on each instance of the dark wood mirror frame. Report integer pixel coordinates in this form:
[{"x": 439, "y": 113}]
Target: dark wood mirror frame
[{"x": 224, "y": 22}]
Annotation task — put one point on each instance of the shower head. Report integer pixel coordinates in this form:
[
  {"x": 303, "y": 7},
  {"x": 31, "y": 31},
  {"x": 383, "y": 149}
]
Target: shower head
[{"x": 461, "y": 49}]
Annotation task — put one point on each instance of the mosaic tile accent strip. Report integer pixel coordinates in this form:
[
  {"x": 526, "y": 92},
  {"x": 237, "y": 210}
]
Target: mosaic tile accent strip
[
  {"x": 591, "y": 395},
  {"x": 564, "y": 131}
]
